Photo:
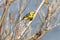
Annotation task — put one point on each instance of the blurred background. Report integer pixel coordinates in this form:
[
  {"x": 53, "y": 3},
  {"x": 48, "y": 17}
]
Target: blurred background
[{"x": 47, "y": 17}]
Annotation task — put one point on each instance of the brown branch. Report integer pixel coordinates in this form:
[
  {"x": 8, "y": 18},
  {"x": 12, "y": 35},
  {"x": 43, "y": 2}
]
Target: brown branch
[
  {"x": 11, "y": 17},
  {"x": 4, "y": 13},
  {"x": 17, "y": 20}
]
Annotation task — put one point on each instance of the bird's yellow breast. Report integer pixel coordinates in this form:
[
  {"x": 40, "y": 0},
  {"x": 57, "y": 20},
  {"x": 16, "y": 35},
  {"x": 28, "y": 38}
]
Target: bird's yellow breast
[
  {"x": 26, "y": 18},
  {"x": 30, "y": 17}
]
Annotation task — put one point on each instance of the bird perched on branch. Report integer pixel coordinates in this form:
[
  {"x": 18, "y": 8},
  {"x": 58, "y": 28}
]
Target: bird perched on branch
[{"x": 29, "y": 16}]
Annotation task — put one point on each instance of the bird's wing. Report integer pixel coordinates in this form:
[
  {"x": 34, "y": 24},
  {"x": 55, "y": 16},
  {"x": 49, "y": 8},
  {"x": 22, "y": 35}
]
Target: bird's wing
[{"x": 26, "y": 16}]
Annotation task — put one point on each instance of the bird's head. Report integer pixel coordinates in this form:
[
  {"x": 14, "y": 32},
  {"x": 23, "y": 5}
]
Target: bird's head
[{"x": 32, "y": 12}]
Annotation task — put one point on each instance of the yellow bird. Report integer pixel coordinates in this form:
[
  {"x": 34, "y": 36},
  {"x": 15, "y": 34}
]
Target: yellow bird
[{"x": 29, "y": 16}]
